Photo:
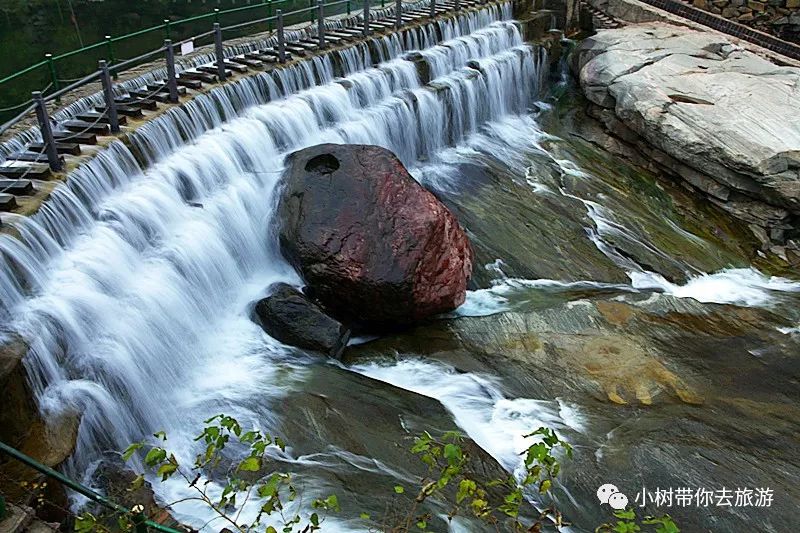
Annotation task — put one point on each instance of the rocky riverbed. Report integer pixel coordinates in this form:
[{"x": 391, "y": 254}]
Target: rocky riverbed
[{"x": 721, "y": 119}]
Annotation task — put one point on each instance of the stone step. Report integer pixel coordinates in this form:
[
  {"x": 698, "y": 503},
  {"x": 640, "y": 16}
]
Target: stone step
[
  {"x": 306, "y": 45},
  {"x": 158, "y": 97},
  {"x": 30, "y": 157},
  {"x": 102, "y": 117},
  {"x": 190, "y": 84},
  {"x": 234, "y": 66},
  {"x": 82, "y": 126},
  {"x": 142, "y": 103},
  {"x": 79, "y": 138},
  {"x": 299, "y": 50},
  {"x": 7, "y": 203},
  {"x": 34, "y": 171},
  {"x": 274, "y": 53},
  {"x": 252, "y": 63},
  {"x": 339, "y": 35},
  {"x": 16, "y": 187},
  {"x": 67, "y": 148},
  {"x": 162, "y": 87},
  {"x": 126, "y": 110},
  {"x": 204, "y": 77},
  {"x": 213, "y": 70}
]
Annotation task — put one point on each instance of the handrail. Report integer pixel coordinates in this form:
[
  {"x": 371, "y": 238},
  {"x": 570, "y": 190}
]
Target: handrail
[
  {"x": 110, "y": 65},
  {"x": 117, "y": 39},
  {"x": 81, "y": 489}
]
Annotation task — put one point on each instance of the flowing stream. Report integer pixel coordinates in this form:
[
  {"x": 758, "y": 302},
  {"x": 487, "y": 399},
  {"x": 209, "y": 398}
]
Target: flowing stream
[{"x": 134, "y": 282}]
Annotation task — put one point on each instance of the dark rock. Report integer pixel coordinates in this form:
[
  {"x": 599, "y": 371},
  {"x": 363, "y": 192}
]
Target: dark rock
[
  {"x": 289, "y": 316},
  {"x": 372, "y": 244}
]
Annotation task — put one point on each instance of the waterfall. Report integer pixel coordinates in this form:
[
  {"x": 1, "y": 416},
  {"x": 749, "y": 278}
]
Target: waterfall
[{"x": 128, "y": 312}]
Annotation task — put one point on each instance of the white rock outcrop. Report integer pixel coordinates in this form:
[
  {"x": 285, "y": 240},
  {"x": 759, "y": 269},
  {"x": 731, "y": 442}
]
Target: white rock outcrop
[{"x": 728, "y": 119}]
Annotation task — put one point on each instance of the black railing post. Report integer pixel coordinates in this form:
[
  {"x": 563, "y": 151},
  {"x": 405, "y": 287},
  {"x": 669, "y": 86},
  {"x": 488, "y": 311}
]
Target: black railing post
[
  {"x": 321, "y": 23},
  {"x": 398, "y": 14},
  {"x": 433, "y": 8},
  {"x": 108, "y": 92},
  {"x": 458, "y": 5},
  {"x": 281, "y": 37},
  {"x": 172, "y": 82},
  {"x": 47, "y": 132},
  {"x": 219, "y": 52},
  {"x": 366, "y": 18}
]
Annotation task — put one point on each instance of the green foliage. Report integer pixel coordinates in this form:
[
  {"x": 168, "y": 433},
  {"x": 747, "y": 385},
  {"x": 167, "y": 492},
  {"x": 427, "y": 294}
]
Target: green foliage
[
  {"x": 627, "y": 522},
  {"x": 244, "y": 480},
  {"x": 453, "y": 479}
]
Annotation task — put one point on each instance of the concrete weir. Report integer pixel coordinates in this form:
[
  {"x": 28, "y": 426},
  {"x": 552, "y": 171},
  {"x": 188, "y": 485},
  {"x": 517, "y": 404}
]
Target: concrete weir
[{"x": 248, "y": 59}]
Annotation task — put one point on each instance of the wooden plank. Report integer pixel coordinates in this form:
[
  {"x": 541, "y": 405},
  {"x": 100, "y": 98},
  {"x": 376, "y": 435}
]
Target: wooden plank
[
  {"x": 79, "y": 138},
  {"x": 67, "y": 148},
  {"x": 16, "y": 187}
]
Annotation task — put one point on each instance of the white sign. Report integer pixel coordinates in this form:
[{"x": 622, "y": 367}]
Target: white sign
[{"x": 187, "y": 48}]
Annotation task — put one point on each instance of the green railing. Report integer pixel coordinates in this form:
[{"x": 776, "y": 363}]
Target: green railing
[
  {"x": 50, "y": 68},
  {"x": 142, "y": 523}
]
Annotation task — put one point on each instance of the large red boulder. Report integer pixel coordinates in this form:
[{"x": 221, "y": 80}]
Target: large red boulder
[{"x": 372, "y": 244}]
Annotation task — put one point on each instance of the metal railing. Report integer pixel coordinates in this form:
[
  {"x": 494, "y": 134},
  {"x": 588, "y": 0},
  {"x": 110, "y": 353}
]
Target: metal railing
[
  {"x": 51, "y": 65},
  {"x": 141, "y": 522},
  {"x": 106, "y": 70}
]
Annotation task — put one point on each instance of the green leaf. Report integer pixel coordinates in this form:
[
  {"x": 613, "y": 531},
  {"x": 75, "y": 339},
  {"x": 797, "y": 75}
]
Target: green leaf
[
  {"x": 399, "y": 489},
  {"x": 422, "y": 524},
  {"x": 627, "y": 514},
  {"x": 314, "y": 519},
  {"x": 465, "y": 488},
  {"x": 85, "y": 523},
  {"x": 271, "y": 529},
  {"x": 545, "y": 486},
  {"x": 333, "y": 503},
  {"x": 452, "y": 453},
  {"x": 160, "y": 435},
  {"x": 137, "y": 483},
  {"x": 365, "y": 516},
  {"x": 166, "y": 470},
  {"x": 130, "y": 450},
  {"x": 251, "y": 464},
  {"x": 155, "y": 456}
]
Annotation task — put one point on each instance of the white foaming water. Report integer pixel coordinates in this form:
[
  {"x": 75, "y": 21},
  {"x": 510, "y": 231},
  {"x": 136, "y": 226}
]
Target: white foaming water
[
  {"x": 133, "y": 285},
  {"x": 740, "y": 286},
  {"x": 496, "y": 299},
  {"x": 496, "y": 423}
]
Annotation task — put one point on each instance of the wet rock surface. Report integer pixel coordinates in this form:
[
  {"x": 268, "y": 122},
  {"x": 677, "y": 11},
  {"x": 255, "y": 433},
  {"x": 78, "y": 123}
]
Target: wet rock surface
[
  {"x": 291, "y": 317},
  {"x": 371, "y": 243},
  {"x": 674, "y": 394},
  {"x": 361, "y": 431},
  {"x": 715, "y": 115}
]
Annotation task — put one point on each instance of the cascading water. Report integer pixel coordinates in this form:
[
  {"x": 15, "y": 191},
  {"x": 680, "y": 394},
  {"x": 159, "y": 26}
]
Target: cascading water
[
  {"x": 123, "y": 304},
  {"x": 133, "y": 282}
]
